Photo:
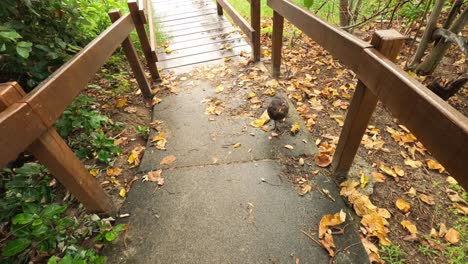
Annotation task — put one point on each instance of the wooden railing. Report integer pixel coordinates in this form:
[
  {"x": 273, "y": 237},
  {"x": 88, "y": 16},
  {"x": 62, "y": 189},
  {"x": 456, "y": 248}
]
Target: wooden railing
[
  {"x": 27, "y": 120},
  {"x": 441, "y": 128},
  {"x": 252, "y": 30}
]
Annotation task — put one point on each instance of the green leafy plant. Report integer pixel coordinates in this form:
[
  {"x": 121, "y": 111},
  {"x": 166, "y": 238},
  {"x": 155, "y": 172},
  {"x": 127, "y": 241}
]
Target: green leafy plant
[
  {"x": 83, "y": 125},
  {"x": 107, "y": 232},
  {"x": 393, "y": 254},
  {"x": 65, "y": 27},
  {"x": 143, "y": 131}
]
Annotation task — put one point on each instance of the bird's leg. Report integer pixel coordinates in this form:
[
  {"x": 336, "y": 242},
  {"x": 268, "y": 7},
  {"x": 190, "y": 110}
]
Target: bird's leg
[{"x": 275, "y": 128}]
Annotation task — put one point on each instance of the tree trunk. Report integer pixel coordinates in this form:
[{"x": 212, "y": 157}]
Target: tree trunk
[
  {"x": 438, "y": 52},
  {"x": 357, "y": 11},
  {"x": 344, "y": 13},
  {"x": 427, "y": 35}
]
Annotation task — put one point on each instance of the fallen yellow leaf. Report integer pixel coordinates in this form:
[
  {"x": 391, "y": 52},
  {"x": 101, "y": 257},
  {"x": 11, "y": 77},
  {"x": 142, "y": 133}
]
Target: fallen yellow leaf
[
  {"x": 121, "y": 102},
  {"x": 264, "y": 118},
  {"x": 331, "y": 220},
  {"x": 413, "y": 163},
  {"x": 94, "y": 172},
  {"x": 363, "y": 179},
  {"x": 236, "y": 145},
  {"x": 434, "y": 165},
  {"x": 134, "y": 157},
  {"x": 219, "y": 89},
  {"x": 452, "y": 236},
  {"x": 123, "y": 193},
  {"x": 387, "y": 170},
  {"x": 113, "y": 171},
  {"x": 427, "y": 199},
  {"x": 168, "y": 51},
  {"x": 402, "y": 205},
  {"x": 378, "y": 177},
  {"x": 409, "y": 226},
  {"x": 295, "y": 128}
]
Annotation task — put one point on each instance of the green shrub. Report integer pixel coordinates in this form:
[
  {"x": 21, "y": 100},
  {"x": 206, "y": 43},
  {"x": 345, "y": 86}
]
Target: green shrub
[{"x": 37, "y": 37}]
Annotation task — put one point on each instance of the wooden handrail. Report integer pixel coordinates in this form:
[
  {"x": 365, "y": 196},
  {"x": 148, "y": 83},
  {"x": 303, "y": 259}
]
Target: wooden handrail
[
  {"x": 441, "y": 128},
  {"x": 153, "y": 45},
  {"x": 26, "y": 121},
  {"x": 252, "y": 30}
]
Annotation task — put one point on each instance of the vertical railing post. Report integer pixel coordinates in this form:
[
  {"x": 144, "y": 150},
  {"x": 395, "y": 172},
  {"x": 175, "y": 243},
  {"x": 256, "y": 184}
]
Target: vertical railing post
[
  {"x": 145, "y": 45},
  {"x": 219, "y": 8},
  {"x": 52, "y": 151},
  {"x": 277, "y": 43},
  {"x": 255, "y": 23},
  {"x": 132, "y": 58},
  {"x": 389, "y": 43}
]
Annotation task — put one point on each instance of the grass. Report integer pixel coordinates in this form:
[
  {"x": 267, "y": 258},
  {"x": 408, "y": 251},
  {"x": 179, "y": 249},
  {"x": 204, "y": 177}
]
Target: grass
[{"x": 393, "y": 254}]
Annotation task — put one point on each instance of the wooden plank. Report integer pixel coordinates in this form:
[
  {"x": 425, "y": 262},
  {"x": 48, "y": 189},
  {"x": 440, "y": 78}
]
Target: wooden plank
[
  {"x": 277, "y": 43},
  {"x": 145, "y": 45},
  {"x": 204, "y": 41},
  {"x": 204, "y": 57},
  {"x": 10, "y": 93},
  {"x": 168, "y": 6},
  {"x": 133, "y": 60},
  {"x": 255, "y": 23},
  {"x": 184, "y": 16},
  {"x": 141, "y": 11},
  {"x": 180, "y": 12},
  {"x": 194, "y": 26},
  {"x": 152, "y": 32},
  {"x": 222, "y": 32},
  {"x": 237, "y": 18},
  {"x": 442, "y": 129},
  {"x": 203, "y": 49},
  {"x": 363, "y": 104},
  {"x": 52, "y": 151},
  {"x": 188, "y": 22},
  {"x": 328, "y": 36},
  {"x": 19, "y": 127},
  {"x": 70, "y": 79},
  {"x": 195, "y": 30}
]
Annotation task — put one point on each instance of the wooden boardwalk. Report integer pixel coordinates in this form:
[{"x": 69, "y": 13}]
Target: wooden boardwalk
[{"x": 197, "y": 35}]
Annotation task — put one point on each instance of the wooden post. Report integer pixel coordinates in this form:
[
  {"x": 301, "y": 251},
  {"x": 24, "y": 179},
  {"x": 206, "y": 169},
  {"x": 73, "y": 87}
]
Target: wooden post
[
  {"x": 52, "y": 151},
  {"x": 145, "y": 45},
  {"x": 132, "y": 58},
  {"x": 389, "y": 43},
  {"x": 219, "y": 8},
  {"x": 277, "y": 43},
  {"x": 255, "y": 23}
]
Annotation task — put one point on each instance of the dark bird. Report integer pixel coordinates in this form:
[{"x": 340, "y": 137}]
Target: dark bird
[{"x": 278, "y": 109}]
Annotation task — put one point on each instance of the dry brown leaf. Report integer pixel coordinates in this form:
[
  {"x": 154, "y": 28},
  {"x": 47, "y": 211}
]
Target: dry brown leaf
[
  {"x": 328, "y": 244},
  {"x": 372, "y": 250},
  {"x": 375, "y": 226},
  {"x": 398, "y": 171},
  {"x": 305, "y": 189},
  {"x": 113, "y": 171},
  {"x": 452, "y": 236},
  {"x": 160, "y": 141},
  {"x": 442, "y": 230},
  {"x": 427, "y": 199},
  {"x": 411, "y": 192},
  {"x": 323, "y": 159},
  {"x": 413, "y": 163},
  {"x": 134, "y": 157},
  {"x": 168, "y": 160},
  {"x": 433, "y": 233},
  {"x": 378, "y": 177},
  {"x": 461, "y": 209},
  {"x": 409, "y": 226},
  {"x": 121, "y": 102},
  {"x": 331, "y": 220},
  {"x": 154, "y": 176},
  {"x": 387, "y": 170},
  {"x": 402, "y": 205},
  {"x": 434, "y": 165}
]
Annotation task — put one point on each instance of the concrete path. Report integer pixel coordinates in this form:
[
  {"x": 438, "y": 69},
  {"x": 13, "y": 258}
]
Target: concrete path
[{"x": 222, "y": 204}]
